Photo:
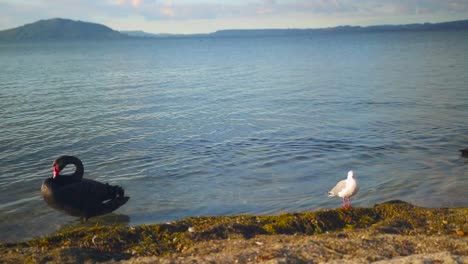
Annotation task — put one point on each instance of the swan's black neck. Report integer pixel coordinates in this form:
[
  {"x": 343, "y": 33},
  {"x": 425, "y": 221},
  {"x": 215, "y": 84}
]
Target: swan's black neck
[
  {"x": 79, "y": 171},
  {"x": 78, "y": 174}
]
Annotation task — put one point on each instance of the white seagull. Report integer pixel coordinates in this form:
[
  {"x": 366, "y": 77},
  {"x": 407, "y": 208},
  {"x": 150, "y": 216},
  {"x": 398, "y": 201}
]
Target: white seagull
[{"x": 345, "y": 189}]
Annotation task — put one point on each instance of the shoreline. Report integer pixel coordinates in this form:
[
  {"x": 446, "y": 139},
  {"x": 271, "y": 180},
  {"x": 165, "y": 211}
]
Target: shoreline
[{"x": 384, "y": 232}]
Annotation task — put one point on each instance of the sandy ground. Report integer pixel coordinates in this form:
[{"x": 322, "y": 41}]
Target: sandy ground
[{"x": 341, "y": 247}]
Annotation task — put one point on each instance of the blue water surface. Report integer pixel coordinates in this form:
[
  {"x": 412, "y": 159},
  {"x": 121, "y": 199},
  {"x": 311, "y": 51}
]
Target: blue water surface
[{"x": 235, "y": 125}]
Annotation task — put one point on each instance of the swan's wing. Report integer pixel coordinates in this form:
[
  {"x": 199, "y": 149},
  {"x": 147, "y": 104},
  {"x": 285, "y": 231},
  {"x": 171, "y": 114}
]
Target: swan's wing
[
  {"x": 338, "y": 188},
  {"x": 87, "y": 194},
  {"x": 99, "y": 191},
  {"x": 109, "y": 206},
  {"x": 101, "y": 198}
]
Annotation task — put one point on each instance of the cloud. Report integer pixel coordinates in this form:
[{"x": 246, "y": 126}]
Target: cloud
[
  {"x": 167, "y": 9},
  {"x": 204, "y": 10},
  {"x": 119, "y": 2},
  {"x": 210, "y": 9},
  {"x": 136, "y": 3},
  {"x": 17, "y": 12},
  {"x": 416, "y": 7}
]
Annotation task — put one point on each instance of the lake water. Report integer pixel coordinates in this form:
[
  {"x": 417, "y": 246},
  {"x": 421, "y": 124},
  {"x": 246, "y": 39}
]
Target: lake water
[{"x": 223, "y": 126}]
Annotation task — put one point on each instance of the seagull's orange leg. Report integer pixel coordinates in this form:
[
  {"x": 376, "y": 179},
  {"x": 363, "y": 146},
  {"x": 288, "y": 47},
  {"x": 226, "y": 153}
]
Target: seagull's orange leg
[{"x": 346, "y": 207}]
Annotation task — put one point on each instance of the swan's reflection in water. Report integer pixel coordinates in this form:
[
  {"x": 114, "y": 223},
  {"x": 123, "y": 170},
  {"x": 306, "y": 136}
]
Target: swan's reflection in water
[{"x": 103, "y": 220}]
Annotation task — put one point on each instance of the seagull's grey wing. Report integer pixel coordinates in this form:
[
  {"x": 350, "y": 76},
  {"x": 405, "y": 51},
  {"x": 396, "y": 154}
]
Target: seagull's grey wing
[
  {"x": 356, "y": 189},
  {"x": 338, "y": 188}
]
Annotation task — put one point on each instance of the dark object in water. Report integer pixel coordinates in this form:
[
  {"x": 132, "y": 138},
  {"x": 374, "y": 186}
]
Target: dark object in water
[
  {"x": 464, "y": 152},
  {"x": 80, "y": 197},
  {"x": 394, "y": 202}
]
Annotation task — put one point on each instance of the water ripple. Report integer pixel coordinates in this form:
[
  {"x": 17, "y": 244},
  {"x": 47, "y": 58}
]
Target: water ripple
[{"x": 234, "y": 125}]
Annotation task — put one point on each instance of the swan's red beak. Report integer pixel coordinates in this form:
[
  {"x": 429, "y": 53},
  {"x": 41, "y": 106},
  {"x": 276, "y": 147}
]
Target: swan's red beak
[{"x": 56, "y": 171}]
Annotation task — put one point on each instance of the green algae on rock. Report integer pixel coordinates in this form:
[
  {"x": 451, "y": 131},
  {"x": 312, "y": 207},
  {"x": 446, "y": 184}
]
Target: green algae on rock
[{"x": 101, "y": 243}]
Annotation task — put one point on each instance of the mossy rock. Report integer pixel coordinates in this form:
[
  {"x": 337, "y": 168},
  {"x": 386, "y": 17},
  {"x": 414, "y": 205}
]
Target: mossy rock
[{"x": 100, "y": 243}]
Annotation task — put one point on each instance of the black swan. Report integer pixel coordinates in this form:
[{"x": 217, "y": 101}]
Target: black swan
[
  {"x": 80, "y": 197},
  {"x": 464, "y": 152}
]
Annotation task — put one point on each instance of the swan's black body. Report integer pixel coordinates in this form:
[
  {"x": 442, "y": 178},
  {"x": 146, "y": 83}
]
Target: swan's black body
[
  {"x": 464, "y": 152},
  {"x": 80, "y": 197}
]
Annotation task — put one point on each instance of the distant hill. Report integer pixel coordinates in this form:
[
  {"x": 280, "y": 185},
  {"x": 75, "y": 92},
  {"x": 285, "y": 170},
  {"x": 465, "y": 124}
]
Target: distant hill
[
  {"x": 66, "y": 29},
  {"x": 454, "y": 25},
  {"x": 60, "y": 29}
]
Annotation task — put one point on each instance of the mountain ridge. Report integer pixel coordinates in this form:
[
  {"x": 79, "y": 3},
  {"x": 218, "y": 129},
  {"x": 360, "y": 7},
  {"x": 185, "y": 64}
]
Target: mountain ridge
[
  {"x": 60, "y": 29},
  {"x": 66, "y": 29},
  {"x": 451, "y": 25}
]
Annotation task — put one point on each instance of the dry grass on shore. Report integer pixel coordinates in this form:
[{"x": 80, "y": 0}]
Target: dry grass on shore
[{"x": 384, "y": 232}]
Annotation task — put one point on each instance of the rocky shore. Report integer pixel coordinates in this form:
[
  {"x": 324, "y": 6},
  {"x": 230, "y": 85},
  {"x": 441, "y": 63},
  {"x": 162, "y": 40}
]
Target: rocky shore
[{"x": 395, "y": 232}]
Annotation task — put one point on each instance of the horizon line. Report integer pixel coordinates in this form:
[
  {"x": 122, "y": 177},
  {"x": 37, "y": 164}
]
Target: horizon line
[{"x": 227, "y": 29}]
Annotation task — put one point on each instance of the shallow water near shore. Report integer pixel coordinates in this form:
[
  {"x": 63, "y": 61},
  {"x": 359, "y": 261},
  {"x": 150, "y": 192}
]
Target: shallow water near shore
[{"x": 223, "y": 126}]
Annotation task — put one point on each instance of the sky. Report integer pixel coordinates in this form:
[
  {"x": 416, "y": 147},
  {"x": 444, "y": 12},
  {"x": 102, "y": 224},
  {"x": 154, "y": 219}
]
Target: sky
[{"x": 205, "y": 16}]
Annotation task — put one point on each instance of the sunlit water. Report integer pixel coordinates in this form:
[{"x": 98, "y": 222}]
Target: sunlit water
[{"x": 223, "y": 126}]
